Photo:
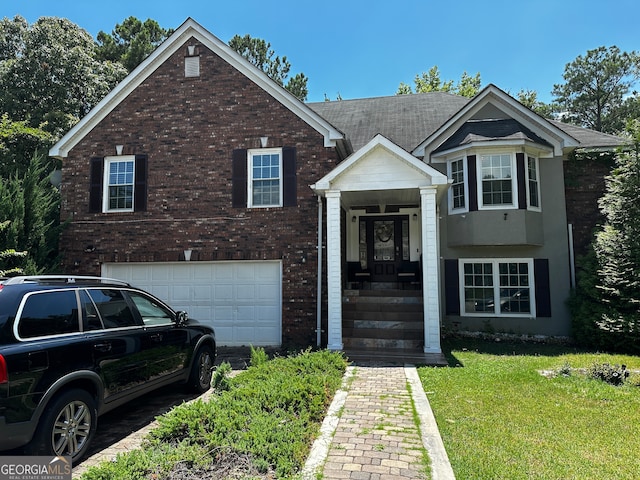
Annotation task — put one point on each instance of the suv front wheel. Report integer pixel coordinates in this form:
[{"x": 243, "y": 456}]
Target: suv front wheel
[
  {"x": 66, "y": 427},
  {"x": 202, "y": 370}
]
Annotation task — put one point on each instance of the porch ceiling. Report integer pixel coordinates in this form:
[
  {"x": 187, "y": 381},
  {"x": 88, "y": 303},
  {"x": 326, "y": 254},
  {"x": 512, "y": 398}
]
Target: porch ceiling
[{"x": 409, "y": 196}]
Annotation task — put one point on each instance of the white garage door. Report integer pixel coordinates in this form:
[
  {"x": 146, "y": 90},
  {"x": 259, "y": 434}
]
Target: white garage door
[{"x": 241, "y": 300}]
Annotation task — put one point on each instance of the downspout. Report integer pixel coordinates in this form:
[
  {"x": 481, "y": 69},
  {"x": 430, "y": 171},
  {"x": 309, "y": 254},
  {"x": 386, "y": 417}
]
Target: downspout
[
  {"x": 572, "y": 261},
  {"x": 319, "y": 293}
]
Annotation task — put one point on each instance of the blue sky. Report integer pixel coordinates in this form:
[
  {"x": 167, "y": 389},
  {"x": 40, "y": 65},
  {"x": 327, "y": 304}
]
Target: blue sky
[{"x": 365, "y": 48}]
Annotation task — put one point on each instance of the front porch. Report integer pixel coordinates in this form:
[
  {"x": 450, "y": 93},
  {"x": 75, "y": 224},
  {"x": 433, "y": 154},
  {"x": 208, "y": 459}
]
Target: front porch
[{"x": 382, "y": 227}]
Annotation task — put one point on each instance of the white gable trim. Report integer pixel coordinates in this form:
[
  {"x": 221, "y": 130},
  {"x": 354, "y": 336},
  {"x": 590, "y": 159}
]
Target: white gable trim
[
  {"x": 379, "y": 141},
  {"x": 190, "y": 28},
  {"x": 493, "y": 95}
]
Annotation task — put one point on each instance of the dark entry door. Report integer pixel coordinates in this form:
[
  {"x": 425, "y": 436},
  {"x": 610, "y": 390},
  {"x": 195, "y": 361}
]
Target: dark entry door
[{"x": 387, "y": 243}]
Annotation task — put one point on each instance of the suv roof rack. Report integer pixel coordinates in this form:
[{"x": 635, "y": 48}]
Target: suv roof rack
[{"x": 68, "y": 279}]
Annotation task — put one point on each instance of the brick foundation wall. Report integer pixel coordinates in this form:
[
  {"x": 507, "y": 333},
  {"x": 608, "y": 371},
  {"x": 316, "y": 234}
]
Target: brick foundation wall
[{"x": 188, "y": 128}]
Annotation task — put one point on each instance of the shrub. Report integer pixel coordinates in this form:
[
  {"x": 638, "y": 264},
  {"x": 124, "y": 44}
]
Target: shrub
[
  {"x": 270, "y": 414},
  {"x": 612, "y": 374}
]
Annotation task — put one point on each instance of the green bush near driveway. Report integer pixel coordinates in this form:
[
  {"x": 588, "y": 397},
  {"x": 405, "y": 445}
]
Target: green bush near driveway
[
  {"x": 501, "y": 417},
  {"x": 268, "y": 417}
]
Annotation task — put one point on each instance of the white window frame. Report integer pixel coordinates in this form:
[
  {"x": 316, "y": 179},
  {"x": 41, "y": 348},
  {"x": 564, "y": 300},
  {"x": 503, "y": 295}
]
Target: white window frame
[
  {"x": 496, "y": 287},
  {"x": 250, "y": 179},
  {"x": 108, "y": 161},
  {"x": 465, "y": 183},
  {"x": 536, "y": 161},
  {"x": 514, "y": 182}
]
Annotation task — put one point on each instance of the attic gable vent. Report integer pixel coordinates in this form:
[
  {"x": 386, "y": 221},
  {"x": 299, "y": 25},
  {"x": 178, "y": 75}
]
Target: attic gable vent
[{"x": 192, "y": 62}]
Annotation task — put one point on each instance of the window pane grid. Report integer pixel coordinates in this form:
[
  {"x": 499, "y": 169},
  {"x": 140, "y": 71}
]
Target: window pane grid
[
  {"x": 512, "y": 288},
  {"x": 120, "y": 185},
  {"x": 497, "y": 185},
  {"x": 457, "y": 187},
  {"x": 265, "y": 181},
  {"x": 532, "y": 171}
]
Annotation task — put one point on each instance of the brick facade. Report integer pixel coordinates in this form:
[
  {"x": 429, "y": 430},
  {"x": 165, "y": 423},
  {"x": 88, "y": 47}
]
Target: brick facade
[
  {"x": 584, "y": 186},
  {"x": 189, "y": 128}
]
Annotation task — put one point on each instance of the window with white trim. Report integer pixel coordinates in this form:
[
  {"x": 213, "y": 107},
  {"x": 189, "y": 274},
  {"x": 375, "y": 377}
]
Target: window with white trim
[
  {"x": 265, "y": 178},
  {"x": 533, "y": 184},
  {"x": 497, "y": 184},
  {"x": 497, "y": 287},
  {"x": 119, "y": 181},
  {"x": 459, "y": 190}
]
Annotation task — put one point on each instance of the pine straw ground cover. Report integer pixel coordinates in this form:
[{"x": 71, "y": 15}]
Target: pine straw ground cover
[
  {"x": 527, "y": 411},
  {"x": 260, "y": 424}
]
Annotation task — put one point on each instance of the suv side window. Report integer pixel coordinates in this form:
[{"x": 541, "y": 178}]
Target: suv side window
[
  {"x": 113, "y": 308},
  {"x": 49, "y": 313},
  {"x": 151, "y": 312},
  {"x": 90, "y": 318}
]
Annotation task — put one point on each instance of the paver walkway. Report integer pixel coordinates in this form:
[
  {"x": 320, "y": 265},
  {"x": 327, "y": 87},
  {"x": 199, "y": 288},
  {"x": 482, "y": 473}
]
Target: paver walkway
[
  {"x": 369, "y": 433},
  {"x": 372, "y": 431}
]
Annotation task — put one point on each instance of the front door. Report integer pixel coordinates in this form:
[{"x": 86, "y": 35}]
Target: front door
[{"x": 385, "y": 240}]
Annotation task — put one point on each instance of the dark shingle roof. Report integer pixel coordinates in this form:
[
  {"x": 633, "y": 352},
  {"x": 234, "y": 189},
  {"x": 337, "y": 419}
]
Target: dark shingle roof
[
  {"x": 407, "y": 120},
  {"x": 486, "y": 130}
]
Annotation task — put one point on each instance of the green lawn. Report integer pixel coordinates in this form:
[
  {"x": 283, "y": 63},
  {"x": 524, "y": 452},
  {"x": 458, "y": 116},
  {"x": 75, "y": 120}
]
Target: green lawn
[{"x": 500, "y": 418}]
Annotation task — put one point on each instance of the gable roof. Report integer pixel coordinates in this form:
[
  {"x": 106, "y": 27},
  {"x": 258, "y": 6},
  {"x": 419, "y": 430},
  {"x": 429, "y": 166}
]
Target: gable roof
[
  {"x": 191, "y": 29},
  {"x": 408, "y": 120}
]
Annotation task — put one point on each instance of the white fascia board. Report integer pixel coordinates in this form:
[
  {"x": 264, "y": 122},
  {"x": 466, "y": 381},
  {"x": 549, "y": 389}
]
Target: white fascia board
[
  {"x": 542, "y": 151},
  {"x": 492, "y": 94},
  {"x": 191, "y": 28},
  {"x": 379, "y": 141}
]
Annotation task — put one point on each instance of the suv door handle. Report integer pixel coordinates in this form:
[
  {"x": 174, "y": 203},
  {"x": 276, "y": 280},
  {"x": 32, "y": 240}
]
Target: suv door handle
[
  {"x": 156, "y": 337},
  {"x": 102, "y": 347}
]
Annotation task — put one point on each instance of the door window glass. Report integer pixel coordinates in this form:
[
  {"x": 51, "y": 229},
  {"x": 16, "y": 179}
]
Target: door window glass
[
  {"x": 384, "y": 241},
  {"x": 113, "y": 308},
  {"x": 152, "y": 312}
]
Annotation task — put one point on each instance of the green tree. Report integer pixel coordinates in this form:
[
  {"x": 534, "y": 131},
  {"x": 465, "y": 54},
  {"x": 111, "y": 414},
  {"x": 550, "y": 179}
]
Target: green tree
[
  {"x": 131, "y": 42},
  {"x": 529, "y": 98},
  {"x": 18, "y": 143},
  {"x": 430, "y": 81},
  {"x": 259, "y": 53},
  {"x": 606, "y": 306},
  {"x": 49, "y": 75},
  {"x": 595, "y": 87},
  {"x": 29, "y": 209},
  {"x": 10, "y": 259}
]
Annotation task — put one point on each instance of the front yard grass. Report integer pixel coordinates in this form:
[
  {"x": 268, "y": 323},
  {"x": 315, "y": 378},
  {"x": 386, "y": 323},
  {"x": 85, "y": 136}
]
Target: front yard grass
[
  {"x": 524, "y": 411},
  {"x": 260, "y": 426}
]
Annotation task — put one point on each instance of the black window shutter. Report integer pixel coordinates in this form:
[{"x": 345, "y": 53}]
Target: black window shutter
[
  {"x": 522, "y": 185},
  {"x": 140, "y": 188},
  {"x": 473, "y": 183},
  {"x": 451, "y": 287},
  {"x": 543, "y": 289},
  {"x": 95, "y": 184},
  {"x": 289, "y": 180},
  {"x": 239, "y": 178}
]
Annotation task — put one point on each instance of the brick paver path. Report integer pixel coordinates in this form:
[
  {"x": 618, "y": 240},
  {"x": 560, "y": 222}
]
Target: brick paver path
[{"x": 376, "y": 437}]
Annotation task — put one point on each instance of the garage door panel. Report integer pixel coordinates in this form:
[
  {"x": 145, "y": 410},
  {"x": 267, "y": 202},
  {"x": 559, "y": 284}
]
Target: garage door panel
[{"x": 241, "y": 300}]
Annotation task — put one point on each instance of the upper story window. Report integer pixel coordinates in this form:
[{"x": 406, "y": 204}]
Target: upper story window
[
  {"x": 458, "y": 191},
  {"x": 533, "y": 184},
  {"x": 497, "y": 186},
  {"x": 119, "y": 182},
  {"x": 265, "y": 178}
]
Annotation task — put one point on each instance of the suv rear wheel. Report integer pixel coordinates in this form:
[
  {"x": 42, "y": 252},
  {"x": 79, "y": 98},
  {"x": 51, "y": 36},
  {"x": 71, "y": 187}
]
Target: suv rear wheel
[{"x": 67, "y": 426}]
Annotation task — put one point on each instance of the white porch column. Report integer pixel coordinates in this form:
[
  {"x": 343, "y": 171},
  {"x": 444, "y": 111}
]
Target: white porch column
[
  {"x": 334, "y": 276},
  {"x": 430, "y": 270}
]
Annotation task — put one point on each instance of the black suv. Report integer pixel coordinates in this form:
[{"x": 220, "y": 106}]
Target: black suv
[{"x": 73, "y": 348}]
